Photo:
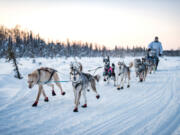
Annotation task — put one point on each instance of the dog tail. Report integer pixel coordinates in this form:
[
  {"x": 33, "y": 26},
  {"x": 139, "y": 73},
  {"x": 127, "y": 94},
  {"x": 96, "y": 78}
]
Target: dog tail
[
  {"x": 97, "y": 78},
  {"x": 131, "y": 65}
]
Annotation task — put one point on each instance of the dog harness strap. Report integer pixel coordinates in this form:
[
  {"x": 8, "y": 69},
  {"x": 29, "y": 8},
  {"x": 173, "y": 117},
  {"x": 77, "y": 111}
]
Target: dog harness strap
[
  {"x": 77, "y": 85},
  {"x": 39, "y": 76},
  {"x": 52, "y": 73},
  {"x": 46, "y": 69},
  {"x": 110, "y": 69}
]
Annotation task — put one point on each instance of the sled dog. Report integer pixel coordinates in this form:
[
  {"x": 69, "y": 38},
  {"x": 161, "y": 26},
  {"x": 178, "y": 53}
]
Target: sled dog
[
  {"x": 76, "y": 65},
  {"x": 80, "y": 82},
  {"x": 141, "y": 68},
  {"x": 136, "y": 65},
  {"x": 42, "y": 76},
  {"x": 109, "y": 71},
  {"x": 123, "y": 72},
  {"x": 151, "y": 65}
]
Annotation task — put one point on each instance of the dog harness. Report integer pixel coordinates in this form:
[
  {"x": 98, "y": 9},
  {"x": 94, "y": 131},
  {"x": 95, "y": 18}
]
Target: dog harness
[
  {"x": 110, "y": 69},
  {"x": 83, "y": 81},
  {"x": 76, "y": 85},
  {"x": 47, "y": 70}
]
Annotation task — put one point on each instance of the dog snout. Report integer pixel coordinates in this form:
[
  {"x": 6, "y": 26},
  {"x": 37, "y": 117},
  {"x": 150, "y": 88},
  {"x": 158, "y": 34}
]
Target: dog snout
[{"x": 74, "y": 78}]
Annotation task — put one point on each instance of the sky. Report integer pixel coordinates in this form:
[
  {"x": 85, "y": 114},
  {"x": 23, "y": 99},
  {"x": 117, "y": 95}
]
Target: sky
[{"x": 105, "y": 22}]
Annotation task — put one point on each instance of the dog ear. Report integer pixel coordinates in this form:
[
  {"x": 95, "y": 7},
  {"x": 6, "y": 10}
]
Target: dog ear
[{"x": 34, "y": 74}]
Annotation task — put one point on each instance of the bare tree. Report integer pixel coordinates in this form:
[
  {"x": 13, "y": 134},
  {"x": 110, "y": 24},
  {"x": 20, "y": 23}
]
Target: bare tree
[{"x": 11, "y": 57}]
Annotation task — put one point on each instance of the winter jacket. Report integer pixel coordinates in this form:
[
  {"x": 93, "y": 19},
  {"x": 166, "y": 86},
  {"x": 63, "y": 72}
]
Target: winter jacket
[{"x": 157, "y": 47}]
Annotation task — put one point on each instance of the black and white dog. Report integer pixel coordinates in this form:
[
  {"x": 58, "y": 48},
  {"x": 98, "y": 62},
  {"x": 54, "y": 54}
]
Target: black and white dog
[
  {"x": 109, "y": 71},
  {"x": 152, "y": 60},
  {"x": 141, "y": 69},
  {"x": 81, "y": 82}
]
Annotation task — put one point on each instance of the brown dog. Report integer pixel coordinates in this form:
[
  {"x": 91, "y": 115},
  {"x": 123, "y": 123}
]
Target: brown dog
[{"x": 43, "y": 76}]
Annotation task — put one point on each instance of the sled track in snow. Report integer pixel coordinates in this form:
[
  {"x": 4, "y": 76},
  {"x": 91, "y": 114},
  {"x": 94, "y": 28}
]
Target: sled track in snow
[
  {"x": 148, "y": 108},
  {"x": 133, "y": 108}
]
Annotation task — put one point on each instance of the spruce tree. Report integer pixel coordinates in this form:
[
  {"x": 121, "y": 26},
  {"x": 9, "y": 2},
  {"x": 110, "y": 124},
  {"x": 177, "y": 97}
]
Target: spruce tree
[{"x": 10, "y": 56}]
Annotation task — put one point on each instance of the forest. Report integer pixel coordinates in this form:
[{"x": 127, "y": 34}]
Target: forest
[{"x": 26, "y": 44}]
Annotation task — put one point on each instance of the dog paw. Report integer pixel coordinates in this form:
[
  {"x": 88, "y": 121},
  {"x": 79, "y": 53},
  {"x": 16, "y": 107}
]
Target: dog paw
[
  {"x": 122, "y": 87},
  {"x": 75, "y": 110},
  {"x": 53, "y": 93},
  {"x": 63, "y": 93},
  {"x": 98, "y": 96},
  {"x": 128, "y": 86},
  {"x": 46, "y": 99},
  {"x": 84, "y": 106},
  {"x": 118, "y": 88},
  {"x": 35, "y": 104}
]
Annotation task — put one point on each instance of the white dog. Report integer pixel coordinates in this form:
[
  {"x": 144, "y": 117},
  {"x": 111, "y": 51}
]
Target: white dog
[
  {"x": 123, "y": 72},
  {"x": 43, "y": 76}
]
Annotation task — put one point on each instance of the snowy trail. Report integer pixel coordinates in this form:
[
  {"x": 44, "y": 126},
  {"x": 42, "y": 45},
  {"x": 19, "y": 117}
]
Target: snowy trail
[{"x": 149, "y": 108}]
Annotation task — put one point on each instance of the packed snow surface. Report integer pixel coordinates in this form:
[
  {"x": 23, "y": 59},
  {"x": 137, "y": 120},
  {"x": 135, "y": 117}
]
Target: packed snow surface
[{"x": 148, "y": 108}]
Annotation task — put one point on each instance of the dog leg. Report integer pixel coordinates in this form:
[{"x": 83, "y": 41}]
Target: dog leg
[
  {"x": 108, "y": 80},
  {"x": 78, "y": 95},
  {"x": 125, "y": 78},
  {"x": 129, "y": 77},
  {"x": 118, "y": 87},
  {"x": 149, "y": 70},
  {"x": 93, "y": 86},
  {"x": 117, "y": 83},
  {"x": 37, "y": 98},
  {"x": 74, "y": 95},
  {"x": 59, "y": 85},
  {"x": 114, "y": 82},
  {"x": 56, "y": 78},
  {"x": 122, "y": 82},
  {"x": 114, "y": 77},
  {"x": 75, "y": 100},
  {"x": 45, "y": 97},
  {"x": 145, "y": 75},
  {"x": 105, "y": 78},
  {"x": 53, "y": 92},
  {"x": 85, "y": 99},
  {"x": 141, "y": 77}
]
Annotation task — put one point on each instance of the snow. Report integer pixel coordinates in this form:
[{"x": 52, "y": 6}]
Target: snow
[{"x": 149, "y": 108}]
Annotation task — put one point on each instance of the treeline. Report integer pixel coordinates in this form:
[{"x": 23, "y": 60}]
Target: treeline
[{"x": 27, "y": 44}]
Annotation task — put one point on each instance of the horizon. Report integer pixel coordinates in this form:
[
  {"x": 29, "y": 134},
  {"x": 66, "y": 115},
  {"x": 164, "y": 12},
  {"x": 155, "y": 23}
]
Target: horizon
[{"x": 108, "y": 23}]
